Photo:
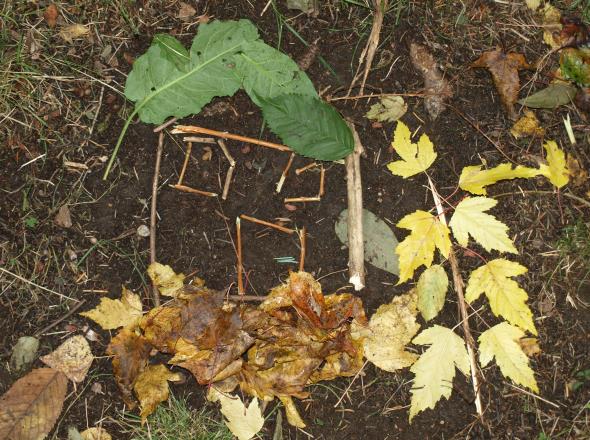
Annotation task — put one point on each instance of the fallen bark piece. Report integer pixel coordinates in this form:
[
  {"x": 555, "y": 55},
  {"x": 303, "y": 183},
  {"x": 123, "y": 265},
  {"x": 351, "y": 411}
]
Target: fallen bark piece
[{"x": 436, "y": 87}]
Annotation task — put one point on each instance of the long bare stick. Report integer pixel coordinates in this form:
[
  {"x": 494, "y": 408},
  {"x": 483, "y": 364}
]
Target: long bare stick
[
  {"x": 356, "y": 246},
  {"x": 239, "y": 252},
  {"x": 153, "y": 213},
  {"x": 458, "y": 283},
  {"x": 183, "y": 129}
]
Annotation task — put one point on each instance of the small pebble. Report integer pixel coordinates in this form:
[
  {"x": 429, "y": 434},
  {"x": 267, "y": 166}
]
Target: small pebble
[{"x": 143, "y": 231}]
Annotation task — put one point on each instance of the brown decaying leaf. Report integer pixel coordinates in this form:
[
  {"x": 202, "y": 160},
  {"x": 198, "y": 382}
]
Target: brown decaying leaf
[
  {"x": 504, "y": 70},
  {"x": 29, "y": 409},
  {"x": 185, "y": 12},
  {"x": 63, "y": 218},
  {"x": 130, "y": 353},
  {"x": 73, "y": 358},
  {"x": 527, "y": 125},
  {"x": 436, "y": 87},
  {"x": 50, "y": 15},
  {"x": 578, "y": 174},
  {"x": 151, "y": 387},
  {"x": 96, "y": 433},
  {"x": 73, "y": 31}
]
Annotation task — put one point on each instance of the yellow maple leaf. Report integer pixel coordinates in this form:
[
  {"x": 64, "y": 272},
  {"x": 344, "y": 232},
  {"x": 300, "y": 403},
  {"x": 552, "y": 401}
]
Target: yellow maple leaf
[
  {"x": 474, "y": 179},
  {"x": 165, "y": 279},
  {"x": 432, "y": 288},
  {"x": 114, "y": 313},
  {"x": 506, "y": 298},
  {"x": 470, "y": 218},
  {"x": 435, "y": 369},
  {"x": 416, "y": 158},
  {"x": 390, "y": 329},
  {"x": 428, "y": 233},
  {"x": 556, "y": 168},
  {"x": 151, "y": 387},
  {"x": 244, "y": 422},
  {"x": 502, "y": 342}
]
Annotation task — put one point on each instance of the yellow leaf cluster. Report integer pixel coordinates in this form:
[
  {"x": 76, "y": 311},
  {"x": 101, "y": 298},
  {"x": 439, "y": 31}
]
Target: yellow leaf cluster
[
  {"x": 416, "y": 158},
  {"x": 435, "y": 369},
  {"x": 506, "y": 298},
  {"x": 502, "y": 342},
  {"x": 470, "y": 219},
  {"x": 428, "y": 233}
]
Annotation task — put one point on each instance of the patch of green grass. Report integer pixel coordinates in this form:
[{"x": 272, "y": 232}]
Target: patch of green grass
[
  {"x": 174, "y": 420},
  {"x": 575, "y": 243}
]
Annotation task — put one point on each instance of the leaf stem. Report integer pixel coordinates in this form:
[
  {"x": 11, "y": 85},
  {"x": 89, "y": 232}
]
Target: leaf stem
[{"x": 118, "y": 144}]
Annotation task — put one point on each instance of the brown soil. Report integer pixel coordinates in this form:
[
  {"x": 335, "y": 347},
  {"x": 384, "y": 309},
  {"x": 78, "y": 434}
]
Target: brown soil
[{"x": 102, "y": 250}]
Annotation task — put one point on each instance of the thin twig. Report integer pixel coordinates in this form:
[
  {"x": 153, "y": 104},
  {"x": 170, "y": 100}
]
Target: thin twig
[
  {"x": 458, "y": 283},
  {"x": 284, "y": 173},
  {"x": 239, "y": 252},
  {"x": 246, "y": 298},
  {"x": 302, "y": 240},
  {"x": 228, "y": 156},
  {"x": 351, "y": 382},
  {"x": 187, "y": 156},
  {"x": 166, "y": 124},
  {"x": 57, "y": 321},
  {"x": 188, "y": 189},
  {"x": 183, "y": 129},
  {"x": 153, "y": 213},
  {"x": 199, "y": 140},
  {"x": 322, "y": 178},
  {"x": 228, "y": 177},
  {"x": 270, "y": 225},
  {"x": 306, "y": 167},
  {"x": 528, "y": 393},
  {"x": 568, "y": 195},
  {"x": 376, "y": 95},
  {"x": 18, "y": 277},
  {"x": 301, "y": 199}
]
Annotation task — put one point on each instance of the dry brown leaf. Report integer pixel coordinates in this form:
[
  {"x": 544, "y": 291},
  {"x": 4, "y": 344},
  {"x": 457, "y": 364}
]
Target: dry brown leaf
[
  {"x": 63, "y": 218},
  {"x": 504, "y": 70},
  {"x": 73, "y": 32},
  {"x": 436, "y": 87},
  {"x": 151, "y": 387},
  {"x": 208, "y": 154},
  {"x": 530, "y": 346},
  {"x": 186, "y": 11},
  {"x": 73, "y": 358},
  {"x": 390, "y": 329},
  {"x": 578, "y": 174},
  {"x": 130, "y": 353},
  {"x": 114, "y": 313},
  {"x": 96, "y": 433},
  {"x": 165, "y": 279},
  {"x": 50, "y": 15},
  {"x": 528, "y": 125},
  {"x": 29, "y": 409}
]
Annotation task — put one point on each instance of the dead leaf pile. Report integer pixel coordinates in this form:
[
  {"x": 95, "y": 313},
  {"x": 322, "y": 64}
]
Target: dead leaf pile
[{"x": 297, "y": 336}]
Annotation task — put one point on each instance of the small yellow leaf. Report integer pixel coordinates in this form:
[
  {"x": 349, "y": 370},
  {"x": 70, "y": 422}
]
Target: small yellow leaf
[
  {"x": 114, "y": 313},
  {"x": 73, "y": 358},
  {"x": 165, "y": 279},
  {"x": 243, "y": 422},
  {"x": 390, "y": 329},
  {"x": 151, "y": 387},
  {"x": 435, "y": 369},
  {"x": 428, "y": 233},
  {"x": 416, "y": 158},
  {"x": 556, "y": 169},
  {"x": 506, "y": 298},
  {"x": 528, "y": 125},
  {"x": 293, "y": 416},
  {"x": 432, "y": 288},
  {"x": 502, "y": 342},
  {"x": 96, "y": 433},
  {"x": 73, "y": 31},
  {"x": 470, "y": 218},
  {"x": 474, "y": 179}
]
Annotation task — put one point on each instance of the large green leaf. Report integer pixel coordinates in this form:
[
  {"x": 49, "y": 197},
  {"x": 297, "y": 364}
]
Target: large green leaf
[
  {"x": 308, "y": 125},
  {"x": 168, "y": 81},
  {"x": 268, "y": 73}
]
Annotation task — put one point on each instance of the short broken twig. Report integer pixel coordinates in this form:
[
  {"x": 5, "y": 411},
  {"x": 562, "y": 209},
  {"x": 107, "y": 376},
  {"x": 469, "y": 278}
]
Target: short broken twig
[
  {"x": 166, "y": 124},
  {"x": 153, "y": 213},
  {"x": 188, "y": 189},
  {"x": 199, "y": 140},
  {"x": 228, "y": 177},
  {"x": 187, "y": 156},
  {"x": 228, "y": 156},
  {"x": 270, "y": 225},
  {"x": 301, "y": 199},
  {"x": 306, "y": 167},
  {"x": 184, "y": 129},
  {"x": 302, "y": 241},
  {"x": 322, "y": 178},
  {"x": 284, "y": 173}
]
